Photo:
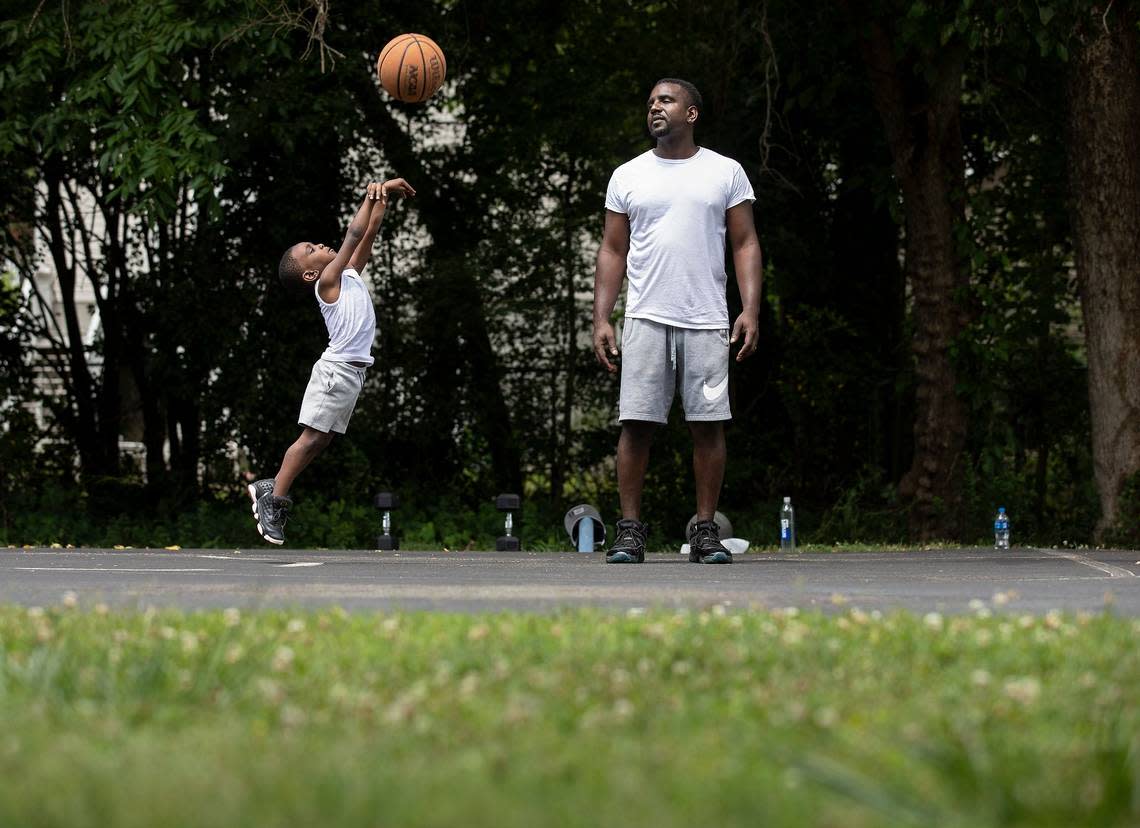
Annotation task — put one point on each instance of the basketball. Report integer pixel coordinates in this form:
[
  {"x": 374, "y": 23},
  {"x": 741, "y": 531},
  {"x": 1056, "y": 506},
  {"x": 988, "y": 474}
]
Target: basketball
[{"x": 411, "y": 67}]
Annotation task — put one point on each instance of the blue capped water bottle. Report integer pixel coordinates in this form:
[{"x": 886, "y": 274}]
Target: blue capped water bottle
[{"x": 1001, "y": 529}]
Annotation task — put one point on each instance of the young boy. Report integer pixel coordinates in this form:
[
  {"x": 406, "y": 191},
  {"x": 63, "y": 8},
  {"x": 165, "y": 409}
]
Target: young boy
[{"x": 338, "y": 375}]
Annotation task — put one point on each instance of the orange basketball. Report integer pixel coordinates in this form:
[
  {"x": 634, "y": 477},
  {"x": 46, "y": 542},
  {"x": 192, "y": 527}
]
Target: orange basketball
[{"x": 411, "y": 67}]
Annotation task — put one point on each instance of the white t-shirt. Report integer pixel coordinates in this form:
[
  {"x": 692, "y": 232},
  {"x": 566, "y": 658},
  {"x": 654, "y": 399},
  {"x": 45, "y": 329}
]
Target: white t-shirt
[
  {"x": 676, "y": 235},
  {"x": 351, "y": 321}
]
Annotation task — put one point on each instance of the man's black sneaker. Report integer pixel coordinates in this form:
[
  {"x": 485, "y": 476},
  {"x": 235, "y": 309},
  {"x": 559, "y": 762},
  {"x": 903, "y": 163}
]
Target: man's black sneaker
[
  {"x": 629, "y": 545},
  {"x": 259, "y": 489},
  {"x": 272, "y": 512},
  {"x": 705, "y": 545}
]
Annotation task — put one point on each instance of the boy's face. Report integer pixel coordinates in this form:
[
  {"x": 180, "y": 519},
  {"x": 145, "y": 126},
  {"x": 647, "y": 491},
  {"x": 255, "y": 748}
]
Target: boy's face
[{"x": 313, "y": 258}]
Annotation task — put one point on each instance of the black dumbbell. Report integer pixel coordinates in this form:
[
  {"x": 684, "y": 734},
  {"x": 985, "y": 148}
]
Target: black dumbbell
[
  {"x": 386, "y": 502},
  {"x": 510, "y": 504}
]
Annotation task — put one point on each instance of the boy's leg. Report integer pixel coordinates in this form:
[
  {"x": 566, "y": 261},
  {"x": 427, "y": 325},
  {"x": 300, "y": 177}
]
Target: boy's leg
[
  {"x": 306, "y": 449},
  {"x": 329, "y": 400},
  {"x": 326, "y": 408},
  {"x": 271, "y": 503}
]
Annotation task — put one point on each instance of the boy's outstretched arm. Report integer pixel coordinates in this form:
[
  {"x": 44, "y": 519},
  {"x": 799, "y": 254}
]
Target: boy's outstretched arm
[
  {"x": 379, "y": 195},
  {"x": 328, "y": 286}
]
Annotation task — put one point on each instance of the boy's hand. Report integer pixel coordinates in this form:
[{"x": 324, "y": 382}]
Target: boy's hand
[{"x": 398, "y": 187}]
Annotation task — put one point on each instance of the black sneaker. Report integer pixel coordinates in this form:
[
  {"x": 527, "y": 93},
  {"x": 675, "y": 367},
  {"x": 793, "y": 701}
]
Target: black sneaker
[
  {"x": 629, "y": 545},
  {"x": 258, "y": 490},
  {"x": 272, "y": 512},
  {"x": 705, "y": 545}
]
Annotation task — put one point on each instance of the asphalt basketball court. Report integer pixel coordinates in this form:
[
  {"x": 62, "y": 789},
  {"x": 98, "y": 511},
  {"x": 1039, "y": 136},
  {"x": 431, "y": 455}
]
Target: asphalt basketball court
[{"x": 952, "y": 581}]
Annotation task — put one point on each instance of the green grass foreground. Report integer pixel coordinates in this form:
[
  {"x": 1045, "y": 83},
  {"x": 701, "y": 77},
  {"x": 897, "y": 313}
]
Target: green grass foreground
[{"x": 584, "y": 718}]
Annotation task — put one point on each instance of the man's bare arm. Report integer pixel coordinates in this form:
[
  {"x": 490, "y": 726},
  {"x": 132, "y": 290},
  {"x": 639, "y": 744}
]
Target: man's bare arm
[
  {"x": 746, "y": 258},
  {"x": 608, "y": 274}
]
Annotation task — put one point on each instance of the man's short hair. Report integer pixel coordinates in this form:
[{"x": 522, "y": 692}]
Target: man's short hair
[{"x": 695, "y": 98}]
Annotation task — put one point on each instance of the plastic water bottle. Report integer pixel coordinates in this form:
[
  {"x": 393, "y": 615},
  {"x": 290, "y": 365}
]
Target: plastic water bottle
[
  {"x": 787, "y": 526},
  {"x": 586, "y": 535},
  {"x": 1001, "y": 529}
]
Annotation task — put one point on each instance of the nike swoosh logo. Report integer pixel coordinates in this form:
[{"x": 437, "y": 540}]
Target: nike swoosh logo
[{"x": 711, "y": 392}]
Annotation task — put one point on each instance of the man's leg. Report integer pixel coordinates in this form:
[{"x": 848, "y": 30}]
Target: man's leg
[
  {"x": 310, "y": 444},
  {"x": 708, "y": 469},
  {"x": 702, "y": 357},
  {"x": 632, "y": 462},
  {"x": 647, "y": 383},
  {"x": 709, "y": 455}
]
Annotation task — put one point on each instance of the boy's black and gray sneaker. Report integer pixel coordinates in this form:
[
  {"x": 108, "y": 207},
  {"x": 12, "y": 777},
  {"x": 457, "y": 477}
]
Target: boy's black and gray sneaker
[
  {"x": 705, "y": 545},
  {"x": 629, "y": 545},
  {"x": 259, "y": 489},
  {"x": 272, "y": 512}
]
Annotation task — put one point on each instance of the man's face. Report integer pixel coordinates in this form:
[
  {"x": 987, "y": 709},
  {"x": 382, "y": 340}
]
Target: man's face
[
  {"x": 313, "y": 257},
  {"x": 669, "y": 110}
]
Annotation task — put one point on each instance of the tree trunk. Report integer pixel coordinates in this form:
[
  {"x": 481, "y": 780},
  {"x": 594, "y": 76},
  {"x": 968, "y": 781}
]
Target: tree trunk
[
  {"x": 920, "y": 113},
  {"x": 1104, "y": 172},
  {"x": 77, "y": 379},
  {"x": 117, "y": 288}
]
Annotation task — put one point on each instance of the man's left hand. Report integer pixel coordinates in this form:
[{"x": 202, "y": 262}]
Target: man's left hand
[{"x": 748, "y": 325}]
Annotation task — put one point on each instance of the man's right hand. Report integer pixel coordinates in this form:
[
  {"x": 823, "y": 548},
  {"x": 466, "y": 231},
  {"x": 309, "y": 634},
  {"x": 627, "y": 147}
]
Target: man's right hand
[{"x": 605, "y": 345}]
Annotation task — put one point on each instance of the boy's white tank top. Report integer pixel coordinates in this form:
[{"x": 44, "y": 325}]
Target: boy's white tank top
[{"x": 351, "y": 321}]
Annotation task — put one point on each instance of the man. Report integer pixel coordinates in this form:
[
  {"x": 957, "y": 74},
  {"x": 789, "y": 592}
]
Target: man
[{"x": 667, "y": 212}]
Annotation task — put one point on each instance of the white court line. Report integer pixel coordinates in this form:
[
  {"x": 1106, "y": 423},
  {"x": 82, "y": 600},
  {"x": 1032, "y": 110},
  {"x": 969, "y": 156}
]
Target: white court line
[
  {"x": 300, "y": 563},
  {"x": 1109, "y": 569},
  {"x": 100, "y": 569},
  {"x": 219, "y": 557}
]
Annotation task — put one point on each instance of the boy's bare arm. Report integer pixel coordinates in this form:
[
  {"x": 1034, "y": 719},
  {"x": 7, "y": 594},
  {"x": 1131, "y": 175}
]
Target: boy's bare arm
[
  {"x": 328, "y": 286},
  {"x": 380, "y": 193}
]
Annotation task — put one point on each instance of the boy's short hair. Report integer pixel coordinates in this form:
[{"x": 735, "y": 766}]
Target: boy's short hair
[
  {"x": 695, "y": 98},
  {"x": 290, "y": 273}
]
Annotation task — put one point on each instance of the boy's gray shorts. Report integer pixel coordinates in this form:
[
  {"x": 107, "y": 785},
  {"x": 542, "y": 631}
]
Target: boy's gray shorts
[
  {"x": 331, "y": 396},
  {"x": 658, "y": 358}
]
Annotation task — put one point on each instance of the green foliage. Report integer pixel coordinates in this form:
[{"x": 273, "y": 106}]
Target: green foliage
[
  {"x": 204, "y": 122},
  {"x": 15, "y": 338},
  {"x": 869, "y": 509},
  {"x": 123, "y": 514},
  {"x": 104, "y": 83}
]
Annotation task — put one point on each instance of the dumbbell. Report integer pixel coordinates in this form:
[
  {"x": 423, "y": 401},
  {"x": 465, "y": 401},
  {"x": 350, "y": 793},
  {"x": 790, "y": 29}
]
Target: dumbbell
[
  {"x": 386, "y": 502},
  {"x": 510, "y": 504}
]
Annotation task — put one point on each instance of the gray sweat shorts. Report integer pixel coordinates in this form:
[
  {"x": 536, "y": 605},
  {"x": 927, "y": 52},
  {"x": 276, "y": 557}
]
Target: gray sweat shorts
[
  {"x": 657, "y": 359},
  {"x": 330, "y": 396}
]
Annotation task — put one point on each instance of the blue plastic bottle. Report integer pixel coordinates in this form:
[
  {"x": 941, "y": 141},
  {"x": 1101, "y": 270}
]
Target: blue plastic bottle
[{"x": 1001, "y": 529}]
